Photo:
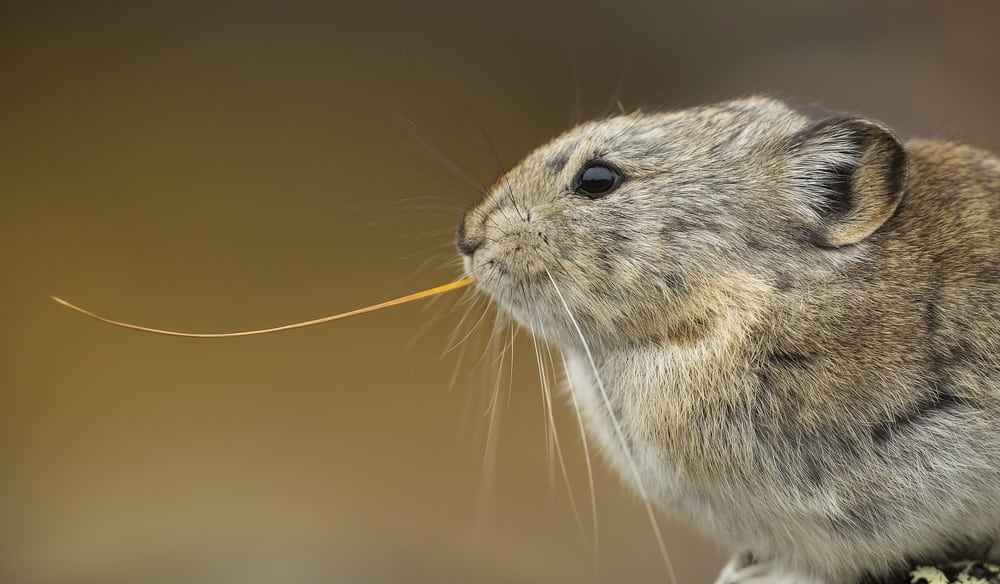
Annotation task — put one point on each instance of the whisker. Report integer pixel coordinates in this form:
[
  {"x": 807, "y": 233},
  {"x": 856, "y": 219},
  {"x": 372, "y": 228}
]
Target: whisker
[
  {"x": 488, "y": 470},
  {"x": 621, "y": 81},
  {"x": 687, "y": 37},
  {"x": 439, "y": 156},
  {"x": 459, "y": 358},
  {"x": 583, "y": 436},
  {"x": 469, "y": 302},
  {"x": 486, "y": 171},
  {"x": 586, "y": 451},
  {"x": 551, "y": 423},
  {"x": 590, "y": 468},
  {"x": 438, "y": 250},
  {"x": 636, "y": 118},
  {"x": 424, "y": 264},
  {"x": 634, "y": 470},
  {"x": 490, "y": 346},
  {"x": 463, "y": 421},
  {"x": 586, "y": 455},
  {"x": 500, "y": 321},
  {"x": 429, "y": 202},
  {"x": 496, "y": 154},
  {"x": 447, "y": 233},
  {"x": 576, "y": 110},
  {"x": 497, "y": 227},
  {"x": 451, "y": 345},
  {"x": 546, "y": 403},
  {"x": 658, "y": 95},
  {"x": 441, "y": 311},
  {"x": 510, "y": 375}
]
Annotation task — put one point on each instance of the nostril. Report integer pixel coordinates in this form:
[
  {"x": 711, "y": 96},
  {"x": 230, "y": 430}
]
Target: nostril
[{"x": 466, "y": 244}]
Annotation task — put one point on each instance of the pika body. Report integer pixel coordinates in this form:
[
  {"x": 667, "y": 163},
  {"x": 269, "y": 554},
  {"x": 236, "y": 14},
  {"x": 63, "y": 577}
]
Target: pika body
[{"x": 781, "y": 327}]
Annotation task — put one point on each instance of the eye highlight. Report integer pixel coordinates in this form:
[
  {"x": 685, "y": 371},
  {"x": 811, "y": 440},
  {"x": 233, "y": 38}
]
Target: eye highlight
[{"x": 596, "y": 180}]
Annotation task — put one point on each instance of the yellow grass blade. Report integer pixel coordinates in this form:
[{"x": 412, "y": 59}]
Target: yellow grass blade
[{"x": 409, "y": 298}]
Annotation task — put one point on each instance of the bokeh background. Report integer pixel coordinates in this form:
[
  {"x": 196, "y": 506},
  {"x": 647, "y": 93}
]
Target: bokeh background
[{"x": 228, "y": 165}]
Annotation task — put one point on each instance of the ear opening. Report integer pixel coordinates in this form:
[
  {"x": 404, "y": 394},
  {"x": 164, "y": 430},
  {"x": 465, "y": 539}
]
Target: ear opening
[{"x": 852, "y": 174}]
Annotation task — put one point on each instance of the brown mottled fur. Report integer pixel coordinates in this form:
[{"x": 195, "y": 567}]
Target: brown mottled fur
[{"x": 793, "y": 321}]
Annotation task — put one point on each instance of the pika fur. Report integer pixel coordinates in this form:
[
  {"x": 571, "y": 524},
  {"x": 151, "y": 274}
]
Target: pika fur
[{"x": 794, "y": 322}]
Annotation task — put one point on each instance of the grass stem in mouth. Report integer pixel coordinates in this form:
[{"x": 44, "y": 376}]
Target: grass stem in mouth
[{"x": 402, "y": 300}]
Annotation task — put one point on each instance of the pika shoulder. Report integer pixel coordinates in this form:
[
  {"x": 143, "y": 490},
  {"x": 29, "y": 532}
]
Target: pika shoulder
[{"x": 785, "y": 328}]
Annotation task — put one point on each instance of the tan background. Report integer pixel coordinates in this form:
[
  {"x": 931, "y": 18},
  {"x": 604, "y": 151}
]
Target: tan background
[{"x": 240, "y": 164}]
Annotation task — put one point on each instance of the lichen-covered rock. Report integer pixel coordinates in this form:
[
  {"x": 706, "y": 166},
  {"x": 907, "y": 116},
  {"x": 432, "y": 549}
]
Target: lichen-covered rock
[{"x": 951, "y": 573}]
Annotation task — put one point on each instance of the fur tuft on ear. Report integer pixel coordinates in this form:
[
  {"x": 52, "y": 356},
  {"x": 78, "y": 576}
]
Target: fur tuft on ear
[{"x": 852, "y": 173}]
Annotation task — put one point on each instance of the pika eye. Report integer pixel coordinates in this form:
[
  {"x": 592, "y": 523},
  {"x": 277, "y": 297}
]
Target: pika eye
[{"x": 597, "y": 179}]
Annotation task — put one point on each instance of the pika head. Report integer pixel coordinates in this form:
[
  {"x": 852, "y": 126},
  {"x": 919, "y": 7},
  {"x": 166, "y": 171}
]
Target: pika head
[{"x": 651, "y": 224}]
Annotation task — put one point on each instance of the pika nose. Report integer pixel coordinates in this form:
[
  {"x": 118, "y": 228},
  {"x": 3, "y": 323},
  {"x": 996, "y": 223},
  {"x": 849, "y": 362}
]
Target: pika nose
[{"x": 467, "y": 244}]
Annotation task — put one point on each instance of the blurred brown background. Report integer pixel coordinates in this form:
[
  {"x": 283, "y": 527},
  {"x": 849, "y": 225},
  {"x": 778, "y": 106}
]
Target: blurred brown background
[{"x": 230, "y": 165}]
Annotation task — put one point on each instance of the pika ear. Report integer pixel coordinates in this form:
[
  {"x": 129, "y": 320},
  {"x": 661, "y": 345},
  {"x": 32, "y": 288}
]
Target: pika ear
[{"x": 852, "y": 173}]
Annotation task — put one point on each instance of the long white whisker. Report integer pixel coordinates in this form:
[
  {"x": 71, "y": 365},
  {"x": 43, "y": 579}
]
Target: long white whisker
[
  {"x": 467, "y": 302},
  {"x": 488, "y": 478},
  {"x": 463, "y": 421},
  {"x": 510, "y": 374},
  {"x": 470, "y": 398},
  {"x": 461, "y": 349},
  {"x": 590, "y": 469},
  {"x": 500, "y": 320},
  {"x": 634, "y": 470},
  {"x": 451, "y": 345},
  {"x": 583, "y": 438},
  {"x": 546, "y": 403},
  {"x": 547, "y": 406},
  {"x": 546, "y": 414}
]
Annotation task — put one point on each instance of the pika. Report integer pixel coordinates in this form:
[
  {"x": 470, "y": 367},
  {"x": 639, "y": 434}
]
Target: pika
[{"x": 784, "y": 328}]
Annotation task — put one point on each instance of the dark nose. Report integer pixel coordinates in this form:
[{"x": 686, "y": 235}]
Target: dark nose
[{"x": 467, "y": 244}]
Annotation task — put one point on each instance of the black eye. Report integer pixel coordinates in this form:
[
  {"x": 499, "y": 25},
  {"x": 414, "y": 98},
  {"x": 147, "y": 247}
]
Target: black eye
[{"x": 597, "y": 180}]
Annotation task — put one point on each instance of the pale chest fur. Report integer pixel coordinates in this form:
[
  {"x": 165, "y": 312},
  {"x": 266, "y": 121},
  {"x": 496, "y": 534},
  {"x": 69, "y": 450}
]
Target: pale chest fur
[
  {"x": 698, "y": 464},
  {"x": 680, "y": 416}
]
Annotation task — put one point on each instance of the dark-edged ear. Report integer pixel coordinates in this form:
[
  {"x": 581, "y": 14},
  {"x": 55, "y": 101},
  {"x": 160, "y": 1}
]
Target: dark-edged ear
[{"x": 852, "y": 173}]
